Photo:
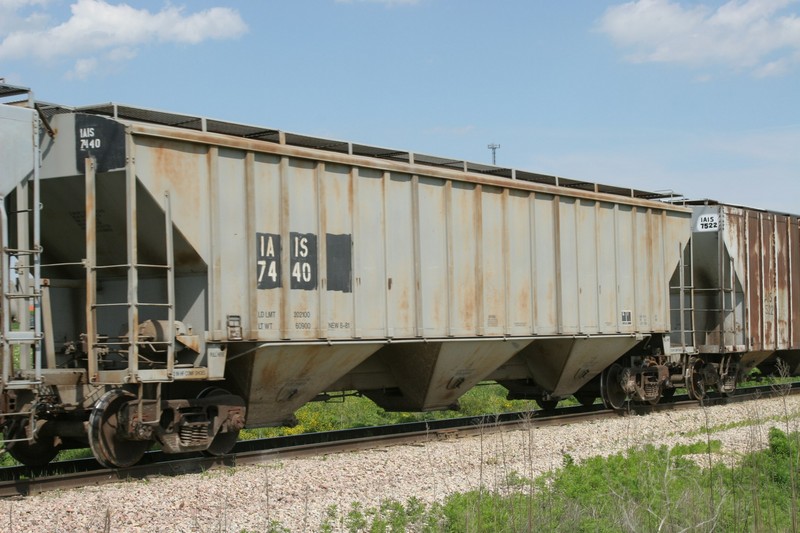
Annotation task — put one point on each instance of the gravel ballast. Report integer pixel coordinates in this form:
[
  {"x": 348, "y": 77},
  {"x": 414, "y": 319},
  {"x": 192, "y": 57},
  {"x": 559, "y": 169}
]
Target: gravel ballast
[{"x": 297, "y": 492}]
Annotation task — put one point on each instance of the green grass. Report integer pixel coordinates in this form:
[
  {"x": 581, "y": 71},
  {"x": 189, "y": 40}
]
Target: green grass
[
  {"x": 644, "y": 489},
  {"x": 358, "y": 411}
]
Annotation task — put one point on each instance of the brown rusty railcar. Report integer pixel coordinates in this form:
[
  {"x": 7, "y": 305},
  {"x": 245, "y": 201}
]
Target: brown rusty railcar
[{"x": 746, "y": 286}]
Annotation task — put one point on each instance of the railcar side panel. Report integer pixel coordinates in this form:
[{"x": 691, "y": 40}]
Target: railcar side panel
[
  {"x": 607, "y": 301},
  {"x": 626, "y": 261},
  {"x": 463, "y": 279},
  {"x": 230, "y": 243},
  {"x": 401, "y": 253},
  {"x": 337, "y": 248},
  {"x": 337, "y": 251},
  {"x": 643, "y": 260},
  {"x": 493, "y": 319},
  {"x": 432, "y": 271},
  {"x": 519, "y": 267},
  {"x": 782, "y": 271},
  {"x": 793, "y": 284},
  {"x": 545, "y": 234},
  {"x": 586, "y": 251},
  {"x": 369, "y": 256},
  {"x": 268, "y": 319}
]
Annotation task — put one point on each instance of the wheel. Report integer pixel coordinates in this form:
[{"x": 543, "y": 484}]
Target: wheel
[
  {"x": 109, "y": 447},
  {"x": 547, "y": 405},
  {"x": 611, "y": 391},
  {"x": 695, "y": 381},
  {"x": 585, "y": 399},
  {"x": 36, "y": 453},
  {"x": 223, "y": 443}
]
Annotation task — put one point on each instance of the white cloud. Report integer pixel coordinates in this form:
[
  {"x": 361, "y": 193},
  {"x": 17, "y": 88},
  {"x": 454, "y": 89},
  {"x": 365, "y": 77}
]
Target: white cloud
[
  {"x": 83, "y": 67},
  {"x": 760, "y": 36},
  {"x": 10, "y": 18},
  {"x": 98, "y": 27}
]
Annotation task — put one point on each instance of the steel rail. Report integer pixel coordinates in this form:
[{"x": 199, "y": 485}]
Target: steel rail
[{"x": 22, "y": 481}]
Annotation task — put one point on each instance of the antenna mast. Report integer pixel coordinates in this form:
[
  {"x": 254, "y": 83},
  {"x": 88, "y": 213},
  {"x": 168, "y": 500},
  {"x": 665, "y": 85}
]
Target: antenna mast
[{"x": 493, "y": 147}]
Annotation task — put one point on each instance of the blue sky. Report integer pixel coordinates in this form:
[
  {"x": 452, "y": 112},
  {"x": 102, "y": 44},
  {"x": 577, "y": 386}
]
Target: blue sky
[{"x": 699, "y": 97}]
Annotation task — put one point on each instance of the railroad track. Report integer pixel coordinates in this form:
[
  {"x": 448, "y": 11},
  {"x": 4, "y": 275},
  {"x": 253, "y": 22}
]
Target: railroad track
[{"x": 23, "y": 481}]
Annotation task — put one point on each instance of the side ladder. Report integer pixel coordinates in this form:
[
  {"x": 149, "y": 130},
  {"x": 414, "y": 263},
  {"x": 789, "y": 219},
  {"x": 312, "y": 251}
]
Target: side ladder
[
  {"x": 21, "y": 297},
  {"x": 98, "y": 346},
  {"x": 685, "y": 293},
  {"x": 21, "y": 293}
]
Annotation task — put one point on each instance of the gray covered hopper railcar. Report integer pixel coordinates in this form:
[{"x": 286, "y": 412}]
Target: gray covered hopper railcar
[{"x": 190, "y": 277}]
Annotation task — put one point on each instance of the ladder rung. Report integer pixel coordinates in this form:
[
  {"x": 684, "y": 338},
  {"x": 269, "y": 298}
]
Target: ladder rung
[
  {"x": 20, "y": 384},
  {"x": 80, "y": 263},
  {"x": 125, "y": 341},
  {"x": 16, "y": 440},
  {"x": 127, "y": 265},
  {"x": 128, "y": 304},
  {"x": 18, "y": 296},
  {"x": 17, "y": 413},
  {"x": 21, "y": 336},
  {"x": 22, "y": 251},
  {"x": 103, "y": 267}
]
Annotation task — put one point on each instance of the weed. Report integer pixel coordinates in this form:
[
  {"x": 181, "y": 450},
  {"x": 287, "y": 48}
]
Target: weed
[
  {"x": 513, "y": 480},
  {"x": 644, "y": 489},
  {"x": 357, "y": 411},
  {"x": 713, "y": 446}
]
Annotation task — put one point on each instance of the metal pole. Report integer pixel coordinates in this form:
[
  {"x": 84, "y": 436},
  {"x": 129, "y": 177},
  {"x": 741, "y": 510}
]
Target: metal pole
[{"x": 493, "y": 147}]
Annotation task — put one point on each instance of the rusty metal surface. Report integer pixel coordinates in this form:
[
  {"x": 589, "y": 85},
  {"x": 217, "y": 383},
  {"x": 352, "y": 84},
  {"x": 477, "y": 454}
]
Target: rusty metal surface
[
  {"x": 295, "y": 244},
  {"x": 434, "y": 375},
  {"x": 771, "y": 273},
  {"x": 747, "y": 270},
  {"x": 343, "y": 251},
  {"x": 277, "y": 380},
  {"x": 460, "y": 172},
  {"x": 561, "y": 366}
]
